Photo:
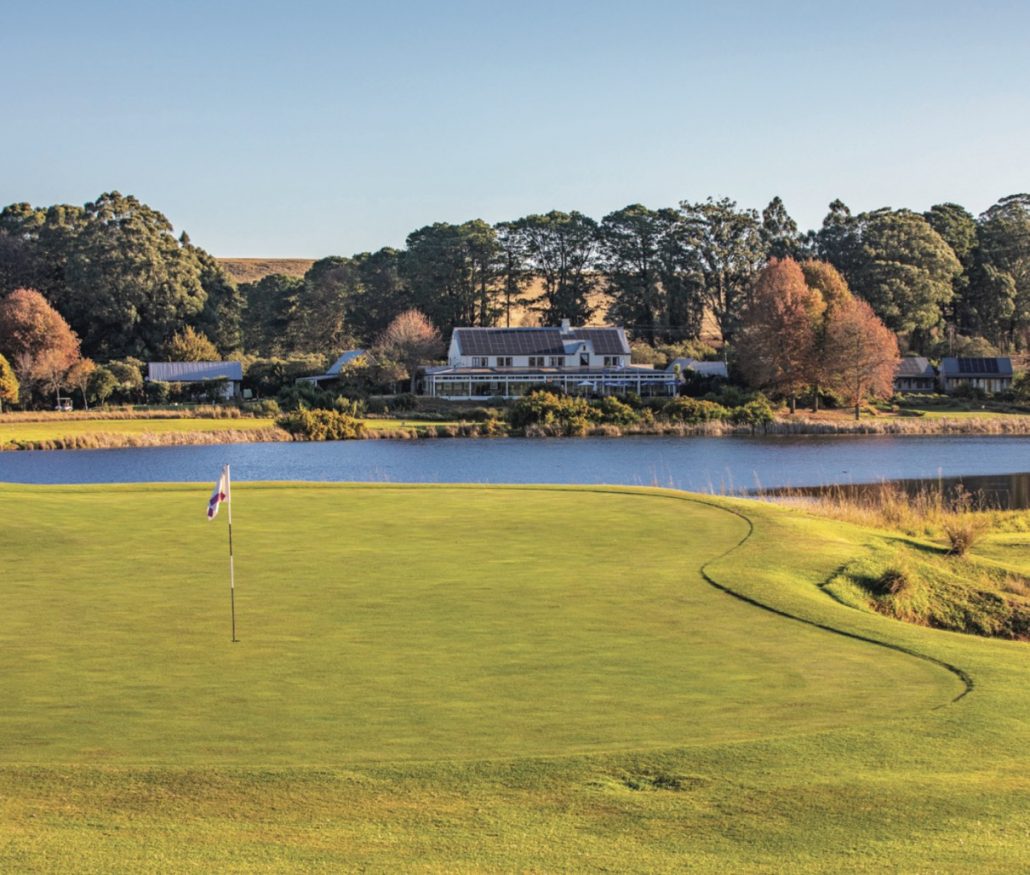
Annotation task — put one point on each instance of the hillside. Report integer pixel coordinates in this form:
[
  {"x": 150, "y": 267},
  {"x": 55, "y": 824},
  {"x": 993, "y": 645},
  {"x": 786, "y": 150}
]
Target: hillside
[{"x": 250, "y": 270}]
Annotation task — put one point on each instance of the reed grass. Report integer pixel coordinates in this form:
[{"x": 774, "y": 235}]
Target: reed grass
[{"x": 120, "y": 440}]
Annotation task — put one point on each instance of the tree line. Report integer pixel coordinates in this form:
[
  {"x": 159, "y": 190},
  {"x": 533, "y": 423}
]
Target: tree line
[{"x": 130, "y": 289}]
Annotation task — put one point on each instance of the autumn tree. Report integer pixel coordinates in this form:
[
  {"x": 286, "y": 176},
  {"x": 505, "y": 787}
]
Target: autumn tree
[
  {"x": 861, "y": 353},
  {"x": 189, "y": 345},
  {"x": 36, "y": 340},
  {"x": 411, "y": 340},
  {"x": 8, "y": 384},
  {"x": 79, "y": 375},
  {"x": 777, "y": 342},
  {"x": 824, "y": 279}
]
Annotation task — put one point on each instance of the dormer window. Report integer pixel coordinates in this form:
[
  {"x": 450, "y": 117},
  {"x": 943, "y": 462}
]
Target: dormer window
[
  {"x": 557, "y": 361},
  {"x": 504, "y": 361},
  {"x": 480, "y": 361},
  {"x": 612, "y": 361}
]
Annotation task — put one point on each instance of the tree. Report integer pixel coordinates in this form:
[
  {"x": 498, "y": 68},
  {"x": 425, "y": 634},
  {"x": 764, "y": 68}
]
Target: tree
[
  {"x": 319, "y": 324},
  {"x": 515, "y": 273},
  {"x": 562, "y": 252},
  {"x": 222, "y": 316},
  {"x": 79, "y": 375},
  {"x": 777, "y": 347},
  {"x": 189, "y": 345},
  {"x": 8, "y": 384},
  {"x": 957, "y": 228},
  {"x": 861, "y": 353},
  {"x": 837, "y": 240},
  {"x": 271, "y": 306},
  {"x": 823, "y": 278},
  {"x": 630, "y": 241},
  {"x": 411, "y": 339},
  {"x": 382, "y": 294},
  {"x": 1001, "y": 284},
  {"x": 102, "y": 384},
  {"x": 452, "y": 272},
  {"x": 726, "y": 250},
  {"x": 36, "y": 340},
  {"x": 128, "y": 282},
  {"x": 780, "y": 231}
]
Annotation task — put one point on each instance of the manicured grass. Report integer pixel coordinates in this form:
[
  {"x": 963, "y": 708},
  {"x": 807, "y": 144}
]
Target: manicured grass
[
  {"x": 11, "y": 432},
  {"x": 470, "y": 679}
]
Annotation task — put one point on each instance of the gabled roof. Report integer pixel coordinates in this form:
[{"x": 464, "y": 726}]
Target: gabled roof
[
  {"x": 193, "y": 372},
  {"x": 706, "y": 369},
  {"x": 349, "y": 356},
  {"x": 537, "y": 341},
  {"x": 999, "y": 366},
  {"x": 915, "y": 366}
]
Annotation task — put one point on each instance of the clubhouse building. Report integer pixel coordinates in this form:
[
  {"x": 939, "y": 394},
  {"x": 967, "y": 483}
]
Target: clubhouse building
[{"x": 504, "y": 362}]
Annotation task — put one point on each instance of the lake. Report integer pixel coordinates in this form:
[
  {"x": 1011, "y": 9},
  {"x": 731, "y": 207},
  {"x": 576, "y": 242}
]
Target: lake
[{"x": 703, "y": 464}]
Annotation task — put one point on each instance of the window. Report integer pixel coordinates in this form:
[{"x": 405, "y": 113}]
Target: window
[
  {"x": 480, "y": 361},
  {"x": 584, "y": 360},
  {"x": 536, "y": 361},
  {"x": 504, "y": 361},
  {"x": 557, "y": 361},
  {"x": 612, "y": 361}
]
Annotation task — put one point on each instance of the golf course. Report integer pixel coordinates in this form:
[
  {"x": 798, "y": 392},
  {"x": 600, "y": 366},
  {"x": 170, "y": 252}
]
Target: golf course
[{"x": 477, "y": 679}]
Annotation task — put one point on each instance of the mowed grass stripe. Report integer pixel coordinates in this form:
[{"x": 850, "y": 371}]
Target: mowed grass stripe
[{"x": 384, "y": 623}]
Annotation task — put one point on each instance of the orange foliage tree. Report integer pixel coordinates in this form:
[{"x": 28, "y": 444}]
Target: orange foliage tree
[
  {"x": 37, "y": 341},
  {"x": 824, "y": 278},
  {"x": 861, "y": 355},
  {"x": 777, "y": 348}
]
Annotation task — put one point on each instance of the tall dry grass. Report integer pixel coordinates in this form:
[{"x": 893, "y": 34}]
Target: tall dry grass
[
  {"x": 204, "y": 411},
  {"x": 117, "y": 440}
]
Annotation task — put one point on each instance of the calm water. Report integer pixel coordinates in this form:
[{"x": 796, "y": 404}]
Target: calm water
[{"x": 724, "y": 464}]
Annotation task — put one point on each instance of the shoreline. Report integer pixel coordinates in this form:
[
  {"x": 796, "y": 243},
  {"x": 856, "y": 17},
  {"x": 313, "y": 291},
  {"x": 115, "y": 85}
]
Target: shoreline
[{"x": 781, "y": 427}]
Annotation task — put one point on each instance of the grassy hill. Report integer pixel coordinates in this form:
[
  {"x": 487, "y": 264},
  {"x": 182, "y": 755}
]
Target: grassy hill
[
  {"x": 473, "y": 679},
  {"x": 250, "y": 270}
]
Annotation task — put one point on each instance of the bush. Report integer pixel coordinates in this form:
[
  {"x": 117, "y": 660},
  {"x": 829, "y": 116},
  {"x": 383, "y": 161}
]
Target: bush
[
  {"x": 321, "y": 425},
  {"x": 694, "y": 410},
  {"x": 563, "y": 414},
  {"x": 615, "y": 412},
  {"x": 404, "y": 401},
  {"x": 756, "y": 413},
  {"x": 962, "y": 532},
  {"x": 158, "y": 392},
  {"x": 266, "y": 407}
]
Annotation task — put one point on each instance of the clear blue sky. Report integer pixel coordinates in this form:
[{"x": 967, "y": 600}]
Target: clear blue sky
[{"x": 317, "y": 128}]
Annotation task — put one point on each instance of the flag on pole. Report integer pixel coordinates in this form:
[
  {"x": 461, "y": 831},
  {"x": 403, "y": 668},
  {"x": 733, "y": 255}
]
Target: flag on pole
[{"x": 220, "y": 494}]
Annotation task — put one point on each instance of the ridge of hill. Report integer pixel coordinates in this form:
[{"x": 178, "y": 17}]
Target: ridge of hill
[{"x": 250, "y": 270}]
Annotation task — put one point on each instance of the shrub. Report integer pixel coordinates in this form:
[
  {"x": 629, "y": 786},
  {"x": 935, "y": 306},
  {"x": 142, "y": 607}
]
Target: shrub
[
  {"x": 615, "y": 412},
  {"x": 404, "y": 401},
  {"x": 377, "y": 406},
  {"x": 693, "y": 410},
  {"x": 321, "y": 425},
  {"x": 758, "y": 412},
  {"x": 962, "y": 532},
  {"x": 561, "y": 414},
  {"x": 266, "y": 407}
]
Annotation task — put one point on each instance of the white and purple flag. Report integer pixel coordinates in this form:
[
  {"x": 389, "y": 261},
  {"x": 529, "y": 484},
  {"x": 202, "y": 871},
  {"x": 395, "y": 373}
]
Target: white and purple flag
[{"x": 220, "y": 494}]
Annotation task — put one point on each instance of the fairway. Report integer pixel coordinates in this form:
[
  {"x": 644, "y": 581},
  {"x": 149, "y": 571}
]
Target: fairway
[{"x": 421, "y": 642}]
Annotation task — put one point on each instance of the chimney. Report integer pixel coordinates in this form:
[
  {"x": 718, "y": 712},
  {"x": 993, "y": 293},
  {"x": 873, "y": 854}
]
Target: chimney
[{"x": 566, "y": 326}]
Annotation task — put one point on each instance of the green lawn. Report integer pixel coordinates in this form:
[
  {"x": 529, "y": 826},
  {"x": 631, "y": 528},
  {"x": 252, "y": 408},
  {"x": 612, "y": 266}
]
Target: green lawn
[
  {"x": 11, "y": 432},
  {"x": 474, "y": 679}
]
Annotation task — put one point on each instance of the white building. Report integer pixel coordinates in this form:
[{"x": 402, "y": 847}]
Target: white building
[{"x": 503, "y": 362}]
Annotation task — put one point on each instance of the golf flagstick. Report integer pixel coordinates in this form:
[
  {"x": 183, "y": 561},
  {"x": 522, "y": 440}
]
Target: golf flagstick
[
  {"x": 232, "y": 570},
  {"x": 223, "y": 493}
]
